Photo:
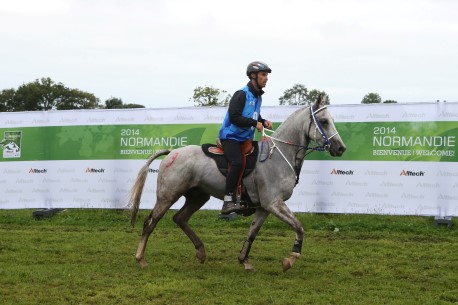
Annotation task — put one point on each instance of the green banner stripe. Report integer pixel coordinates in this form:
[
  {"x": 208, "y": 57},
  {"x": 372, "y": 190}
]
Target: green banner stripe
[
  {"x": 399, "y": 141},
  {"x": 393, "y": 141}
]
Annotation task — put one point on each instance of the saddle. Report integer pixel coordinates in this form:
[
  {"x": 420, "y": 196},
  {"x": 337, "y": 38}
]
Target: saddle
[{"x": 250, "y": 152}]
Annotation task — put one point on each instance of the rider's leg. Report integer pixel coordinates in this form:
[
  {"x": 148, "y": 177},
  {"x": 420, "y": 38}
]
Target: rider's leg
[{"x": 234, "y": 156}]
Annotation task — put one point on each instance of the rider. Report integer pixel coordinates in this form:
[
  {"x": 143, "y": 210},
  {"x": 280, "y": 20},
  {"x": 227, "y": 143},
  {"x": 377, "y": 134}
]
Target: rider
[{"x": 242, "y": 117}]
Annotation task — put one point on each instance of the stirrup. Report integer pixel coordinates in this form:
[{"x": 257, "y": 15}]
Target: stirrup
[{"x": 229, "y": 207}]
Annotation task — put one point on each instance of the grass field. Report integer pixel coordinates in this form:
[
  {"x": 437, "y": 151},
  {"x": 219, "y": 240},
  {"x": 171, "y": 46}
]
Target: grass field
[{"x": 87, "y": 257}]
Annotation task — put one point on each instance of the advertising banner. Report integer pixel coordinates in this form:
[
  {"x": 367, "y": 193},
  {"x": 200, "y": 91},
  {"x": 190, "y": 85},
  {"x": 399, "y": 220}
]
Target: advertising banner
[{"x": 401, "y": 158}]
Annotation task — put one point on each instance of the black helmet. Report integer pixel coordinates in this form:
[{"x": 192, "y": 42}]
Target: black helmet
[{"x": 257, "y": 66}]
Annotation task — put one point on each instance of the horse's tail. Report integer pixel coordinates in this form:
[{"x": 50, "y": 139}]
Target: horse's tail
[{"x": 137, "y": 188}]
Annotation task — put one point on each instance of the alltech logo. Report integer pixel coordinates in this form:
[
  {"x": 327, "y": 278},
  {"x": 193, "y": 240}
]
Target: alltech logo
[
  {"x": 37, "y": 171},
  {"x": 412, "y": 173},
  {"x": 341, "y": 172},
  {"x": 94, "y": 170}
]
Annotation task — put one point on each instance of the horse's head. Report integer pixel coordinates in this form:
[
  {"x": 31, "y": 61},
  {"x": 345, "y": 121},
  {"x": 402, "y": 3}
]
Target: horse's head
[{"x": 322, "y": 129}]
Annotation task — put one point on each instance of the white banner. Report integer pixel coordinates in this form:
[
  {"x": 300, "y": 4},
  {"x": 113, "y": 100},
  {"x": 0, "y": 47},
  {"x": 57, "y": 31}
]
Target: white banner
[{"x": 401, "y": 158}]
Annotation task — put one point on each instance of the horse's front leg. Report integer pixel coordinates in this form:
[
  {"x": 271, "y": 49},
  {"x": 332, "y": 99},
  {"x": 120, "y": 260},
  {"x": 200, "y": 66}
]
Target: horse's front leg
[
  {"x": 281, "y": 210},
  {"x": 258, "y": 219}
]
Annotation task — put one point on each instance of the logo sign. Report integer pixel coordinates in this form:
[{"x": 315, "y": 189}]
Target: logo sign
[
  {"x": 412, "y": 173},
  {"x": 11, "y": 144},
  {"x": 38, "y": 171},
  {"x": 341, "y": 172},
  {"x": 94, "y": 170}
]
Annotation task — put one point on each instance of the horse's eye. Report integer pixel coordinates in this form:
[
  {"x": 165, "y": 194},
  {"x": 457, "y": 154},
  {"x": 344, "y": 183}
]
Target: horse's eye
[{"x": 324, "y": 122}]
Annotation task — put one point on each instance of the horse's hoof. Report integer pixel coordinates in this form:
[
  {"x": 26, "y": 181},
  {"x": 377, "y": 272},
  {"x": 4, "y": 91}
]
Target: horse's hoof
[
  {"x": 142, "y": 263},
  {"x": 248, "y": 267},
  {"x": 286, "y": 264},
  {"x": 201, "y": 256}
]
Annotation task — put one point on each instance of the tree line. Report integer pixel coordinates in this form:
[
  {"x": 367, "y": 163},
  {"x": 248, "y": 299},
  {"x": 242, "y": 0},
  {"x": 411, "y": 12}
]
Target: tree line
[
  {"x": 298, "y": 94},
  {"x": 45, "y": 94}
]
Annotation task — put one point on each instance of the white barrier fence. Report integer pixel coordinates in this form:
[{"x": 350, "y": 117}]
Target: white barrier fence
[{"x": 401, "y": 158}]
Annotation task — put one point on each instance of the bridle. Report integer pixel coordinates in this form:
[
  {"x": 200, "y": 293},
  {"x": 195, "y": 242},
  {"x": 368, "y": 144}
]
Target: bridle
[
  {"x": 327, "y": 143},
  {"x": 308, "y": 149}
]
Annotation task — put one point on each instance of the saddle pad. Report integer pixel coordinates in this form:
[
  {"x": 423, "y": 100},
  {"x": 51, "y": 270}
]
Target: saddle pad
[{"x": 221, "y": 161}]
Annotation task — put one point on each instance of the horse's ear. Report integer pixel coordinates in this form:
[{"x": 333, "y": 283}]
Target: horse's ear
[{"x": 319, "y": 101}]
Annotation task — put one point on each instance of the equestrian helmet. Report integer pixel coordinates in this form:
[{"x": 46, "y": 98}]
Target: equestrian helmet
[{"x": 257, "y": 66}]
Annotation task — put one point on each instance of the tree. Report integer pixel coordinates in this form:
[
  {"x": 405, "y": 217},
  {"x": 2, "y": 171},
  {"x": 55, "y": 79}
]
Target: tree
[
  {"x": 114, "y": 103},
  {"x": 297, "y": 95},
  {"x": 77, "y": 99},
  {"x": 117, "y": 103},
  {"x": 45, "y": 94},
  {"x": 389, "y": 102},
  {"x": 126, "y": 106},
  {"x": 371, "y": 98},
  {"x": 6, "y": 99},
  {"x": 209, "y": 96}
]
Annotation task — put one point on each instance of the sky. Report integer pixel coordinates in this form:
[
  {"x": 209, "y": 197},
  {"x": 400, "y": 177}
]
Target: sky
[{"x": 156, "y": 52}]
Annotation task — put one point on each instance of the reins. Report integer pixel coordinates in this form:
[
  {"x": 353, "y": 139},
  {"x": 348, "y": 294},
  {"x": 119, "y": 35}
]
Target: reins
[{"x": 308, "y": 149}]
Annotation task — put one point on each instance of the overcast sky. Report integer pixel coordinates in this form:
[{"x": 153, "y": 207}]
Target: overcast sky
[{"x": 156, "y": 52}]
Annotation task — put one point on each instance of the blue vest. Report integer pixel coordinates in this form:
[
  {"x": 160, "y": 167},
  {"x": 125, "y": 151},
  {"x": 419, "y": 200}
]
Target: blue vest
[{"x": 251, "y": 110}]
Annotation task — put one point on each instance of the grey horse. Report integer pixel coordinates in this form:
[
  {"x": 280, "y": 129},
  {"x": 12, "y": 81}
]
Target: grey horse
[{"x": 188, "y": 172}]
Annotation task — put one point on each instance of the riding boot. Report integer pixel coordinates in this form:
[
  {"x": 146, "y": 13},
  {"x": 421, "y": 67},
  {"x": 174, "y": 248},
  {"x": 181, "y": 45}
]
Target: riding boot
[{"x": 229, "y": 206}]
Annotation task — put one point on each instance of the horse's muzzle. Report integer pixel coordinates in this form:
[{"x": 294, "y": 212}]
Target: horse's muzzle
[{"x": 337, "y": 150}]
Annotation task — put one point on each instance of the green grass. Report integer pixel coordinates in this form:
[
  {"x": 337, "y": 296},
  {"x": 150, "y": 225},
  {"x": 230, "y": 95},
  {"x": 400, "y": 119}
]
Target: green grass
[{"x": 87, "y": 257}]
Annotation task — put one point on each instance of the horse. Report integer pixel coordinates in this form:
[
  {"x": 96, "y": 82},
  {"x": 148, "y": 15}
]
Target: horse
[{"x": 188, "y": 172}]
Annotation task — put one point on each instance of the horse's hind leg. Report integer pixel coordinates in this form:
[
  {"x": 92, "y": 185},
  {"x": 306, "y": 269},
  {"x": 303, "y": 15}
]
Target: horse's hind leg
[
  {"x": 195, "y": 199},
  {"x": 148, "y": 226}
]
